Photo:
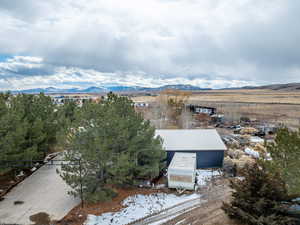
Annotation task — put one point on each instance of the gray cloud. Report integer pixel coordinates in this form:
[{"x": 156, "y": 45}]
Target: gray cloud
[
  {"x": 22, "y": 66},
  {"x": 271, "y": 46},
  {"x": 28, "y": 10},
  {"x": 250, "y": 41}
]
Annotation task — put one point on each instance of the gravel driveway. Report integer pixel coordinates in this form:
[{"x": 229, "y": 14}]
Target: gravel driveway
[{"x": 42, "y": 192}]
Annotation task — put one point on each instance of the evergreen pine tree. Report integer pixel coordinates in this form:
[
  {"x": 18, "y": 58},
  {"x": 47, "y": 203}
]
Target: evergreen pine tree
[
  {"x": 28, "y": 128},
  {"x": 260, "y": 198},
  {"x": 116, "y": 147},
  {"x": 285, "y": 154}
]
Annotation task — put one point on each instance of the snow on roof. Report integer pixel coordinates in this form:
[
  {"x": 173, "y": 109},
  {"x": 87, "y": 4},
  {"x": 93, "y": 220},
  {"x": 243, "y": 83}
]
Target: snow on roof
[
  {"x": 185, "y": 161},
  {"x": 191, "y": 139}
]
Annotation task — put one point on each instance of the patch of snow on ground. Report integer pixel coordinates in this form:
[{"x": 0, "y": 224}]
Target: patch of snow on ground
[
  {"x": 255, "y": 139},
  {"x": 203, "y": 176},
  {"x": 163, "y": 221},
  {"x": 139, "y": 206},
  {"x": 268, "y": 156},
  {"x": 252, "y": 153}
]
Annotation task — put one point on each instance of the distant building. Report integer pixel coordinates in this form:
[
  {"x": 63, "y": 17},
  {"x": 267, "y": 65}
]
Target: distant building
[
  {"x": 205, "y": 143},
  {"x": 197, "y": 109},
  {"x": 78, "y": 99},
  {"x": 141, "y": 104}
]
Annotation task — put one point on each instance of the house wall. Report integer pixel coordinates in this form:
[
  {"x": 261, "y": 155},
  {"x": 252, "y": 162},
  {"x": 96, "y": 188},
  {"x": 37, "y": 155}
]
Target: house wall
[{"x": 205, "y": 159}]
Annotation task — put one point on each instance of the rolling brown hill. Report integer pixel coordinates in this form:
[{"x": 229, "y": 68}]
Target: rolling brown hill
[{"x": 278, "y": 87}]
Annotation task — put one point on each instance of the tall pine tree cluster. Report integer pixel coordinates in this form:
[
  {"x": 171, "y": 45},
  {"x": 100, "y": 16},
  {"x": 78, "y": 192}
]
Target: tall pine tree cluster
[
  {"x": 28, "y": 127},
  {"x": 115, "y": 145}
]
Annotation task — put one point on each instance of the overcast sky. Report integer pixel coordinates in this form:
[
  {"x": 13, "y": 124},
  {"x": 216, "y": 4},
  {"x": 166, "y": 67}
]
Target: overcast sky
[{"x": 207, "y": 43}]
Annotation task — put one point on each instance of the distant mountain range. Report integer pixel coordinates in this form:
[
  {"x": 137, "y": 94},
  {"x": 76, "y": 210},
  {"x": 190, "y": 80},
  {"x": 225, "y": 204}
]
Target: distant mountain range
[
  {"x": 106, "y": 89},
  {"x": 277, "y": 87},
  {"x": 187, "y": 87}
]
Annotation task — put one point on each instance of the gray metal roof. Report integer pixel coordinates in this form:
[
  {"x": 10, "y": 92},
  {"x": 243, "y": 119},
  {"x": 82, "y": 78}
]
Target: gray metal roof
[
  {"x": 191, "y": 140},
  {"x": 186, "y": 161}
]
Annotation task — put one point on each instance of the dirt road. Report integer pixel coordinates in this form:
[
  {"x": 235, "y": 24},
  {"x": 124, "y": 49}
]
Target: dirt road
[
  {"x": 203, "y": 211},
  {"x": 170, "y": 212},
  {"x": 210, "y": 212}
]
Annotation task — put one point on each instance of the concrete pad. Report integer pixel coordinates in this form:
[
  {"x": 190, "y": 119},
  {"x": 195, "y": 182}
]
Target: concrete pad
[{"x": 43, "y": 191}]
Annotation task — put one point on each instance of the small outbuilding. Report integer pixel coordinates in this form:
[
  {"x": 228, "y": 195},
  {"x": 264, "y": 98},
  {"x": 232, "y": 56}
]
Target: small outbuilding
[
  {"x": 205, "y": 143},
  {"x": 182, "y": 171},
  {"x": 198, "y": 109}
]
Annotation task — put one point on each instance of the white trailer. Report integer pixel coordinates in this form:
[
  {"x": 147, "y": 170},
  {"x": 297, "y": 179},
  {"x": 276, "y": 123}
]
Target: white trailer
[{"x": 182, "y": 171}]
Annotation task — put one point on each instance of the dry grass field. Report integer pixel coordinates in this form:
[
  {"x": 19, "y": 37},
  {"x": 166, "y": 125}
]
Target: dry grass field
[
  {"x": 266, "y": 105},
  {"x": 244, "y": 96}
]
